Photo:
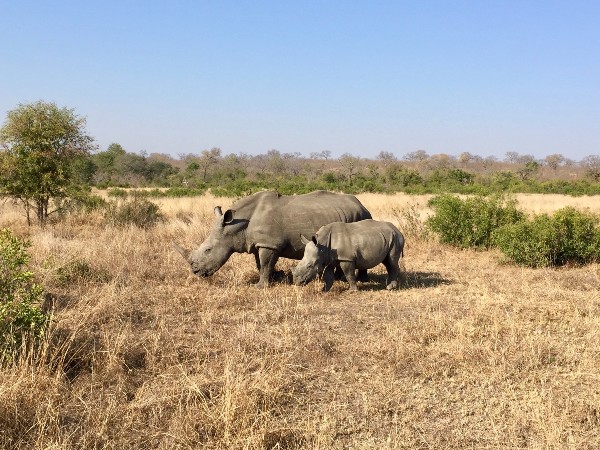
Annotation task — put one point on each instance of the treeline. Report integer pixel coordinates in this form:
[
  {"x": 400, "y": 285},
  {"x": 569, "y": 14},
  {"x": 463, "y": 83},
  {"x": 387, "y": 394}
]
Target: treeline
[{"x": 416, "y": 172}]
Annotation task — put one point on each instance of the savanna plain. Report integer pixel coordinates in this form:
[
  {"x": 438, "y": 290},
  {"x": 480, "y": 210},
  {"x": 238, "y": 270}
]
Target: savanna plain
[{"x": 470, "y": 352}]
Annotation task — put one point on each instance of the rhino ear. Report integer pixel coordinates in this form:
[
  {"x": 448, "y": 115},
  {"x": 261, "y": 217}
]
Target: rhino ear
[
  {"x": 228, "y": 216},
  {"x": 218, "y": 212},
  {"x": 304, "y": 239}
]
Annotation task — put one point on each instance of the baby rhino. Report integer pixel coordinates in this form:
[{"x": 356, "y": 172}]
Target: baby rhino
[{"x": 350, "y": 246}]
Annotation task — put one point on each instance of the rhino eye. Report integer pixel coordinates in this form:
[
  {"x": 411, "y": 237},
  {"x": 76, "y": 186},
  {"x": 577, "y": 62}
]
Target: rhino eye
[{"x": 207, "y": 250}]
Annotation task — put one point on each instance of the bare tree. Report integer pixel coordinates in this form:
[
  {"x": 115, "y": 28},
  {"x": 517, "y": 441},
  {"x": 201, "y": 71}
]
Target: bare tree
[
  {"x": 350, "y": 164},
  {"x": 293, "y": 162},
  {"x": 441, "y": 161},
  {"x": 419, "y": 155},
  {"x": 386, "y": 158},
  {"x": 511, "y": 157},
  {"x": 591, "y": 164},
  {"x": 276, "y": 164},
  {"x": 554, "y": 161},
  {"x": 207, "y": 159},
  {"x": 325, "y": 154},
  {"x": 465, "y": 158}
]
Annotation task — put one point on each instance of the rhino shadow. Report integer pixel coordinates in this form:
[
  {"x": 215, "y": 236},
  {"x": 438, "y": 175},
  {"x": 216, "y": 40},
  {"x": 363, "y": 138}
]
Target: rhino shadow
[{"x": 410, "y": 280}]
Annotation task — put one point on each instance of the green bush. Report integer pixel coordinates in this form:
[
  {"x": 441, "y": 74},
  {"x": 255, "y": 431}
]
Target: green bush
[
  {"x": 568, "y": 236},
  {"x": 21, "y": 317},
  {"x": 117, "y": 192},
  {"x": 470, "y": 222},
  {"x": 138, "y": 211}
]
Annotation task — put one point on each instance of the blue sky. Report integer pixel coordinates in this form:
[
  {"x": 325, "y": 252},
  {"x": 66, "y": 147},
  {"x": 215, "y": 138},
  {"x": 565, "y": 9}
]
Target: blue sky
[{"x": 486, "y": 77}]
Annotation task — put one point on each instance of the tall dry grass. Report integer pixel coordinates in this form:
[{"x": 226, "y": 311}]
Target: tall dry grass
[{"x": 470, "y": 353}]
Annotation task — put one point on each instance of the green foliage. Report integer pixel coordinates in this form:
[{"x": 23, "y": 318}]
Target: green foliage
[
  {"x": 41, "y": 157},
  {"x": 21, "y": 317},
  {"x": 117, "y": 193},
  {"x": 470, "y": 222},
  {"x": 81, "y": 202},
  {"x": 137, "y": 211},
  {"x": 568, "y": 236}
]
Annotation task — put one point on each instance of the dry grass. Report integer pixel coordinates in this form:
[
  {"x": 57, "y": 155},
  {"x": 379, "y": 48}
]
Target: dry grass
[{"x": 468, "y": 354}]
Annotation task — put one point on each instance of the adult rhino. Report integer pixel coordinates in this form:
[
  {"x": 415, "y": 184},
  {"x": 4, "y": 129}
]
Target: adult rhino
[{"x": 269, "y": 225}]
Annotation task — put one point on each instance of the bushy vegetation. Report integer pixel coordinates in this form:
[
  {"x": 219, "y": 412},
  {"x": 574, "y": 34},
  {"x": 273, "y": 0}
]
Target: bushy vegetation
[
  {"x": 291, "y": 173},
  {"x": 79, "y": 271},
  {"x": 136, "y": 211},
  {"x": 470, "y": 222},
  {"x": 568, "y": 236},
  {"x": 21, "y": 317}
]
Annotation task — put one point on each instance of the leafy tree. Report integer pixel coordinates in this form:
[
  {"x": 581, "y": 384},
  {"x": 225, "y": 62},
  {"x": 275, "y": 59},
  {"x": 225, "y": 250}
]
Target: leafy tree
[
  {"x": 39, "y": 144},
  {"x": 528, "y": 170}
]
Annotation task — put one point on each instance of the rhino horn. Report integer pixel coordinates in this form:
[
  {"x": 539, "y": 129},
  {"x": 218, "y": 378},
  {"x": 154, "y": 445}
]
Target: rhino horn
[{"x": 185, "y": 253}]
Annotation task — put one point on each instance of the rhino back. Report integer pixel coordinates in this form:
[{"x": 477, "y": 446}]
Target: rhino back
[{"x": 279, "y": 222}]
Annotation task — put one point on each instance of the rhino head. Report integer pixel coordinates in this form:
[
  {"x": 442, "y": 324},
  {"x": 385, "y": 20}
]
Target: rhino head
[
  {"x": 226, "y": 237},
  {"x": 316, "y": 257}
]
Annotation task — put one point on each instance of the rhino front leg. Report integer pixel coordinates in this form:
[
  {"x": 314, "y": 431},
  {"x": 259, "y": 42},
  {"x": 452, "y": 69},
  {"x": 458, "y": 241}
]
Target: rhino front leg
[
  {"x": 349, "y": 268},
  {"x": 257, "y": 259},
  {"x": 328, "y": 277},
  {"x": 267, "y": 259}
]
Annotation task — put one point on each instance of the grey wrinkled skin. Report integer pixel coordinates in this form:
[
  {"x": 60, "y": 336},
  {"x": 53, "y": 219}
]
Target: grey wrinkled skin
[
  {"x": 269, "y": 226},
  {"x": 350, "y": 246}
]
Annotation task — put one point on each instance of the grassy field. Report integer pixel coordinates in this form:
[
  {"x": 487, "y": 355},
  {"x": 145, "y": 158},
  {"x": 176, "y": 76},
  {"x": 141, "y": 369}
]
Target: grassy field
[{"x": 469, "y": 353}]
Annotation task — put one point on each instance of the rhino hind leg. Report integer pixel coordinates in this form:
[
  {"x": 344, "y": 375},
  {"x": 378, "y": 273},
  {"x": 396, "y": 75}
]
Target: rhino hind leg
[
  {"x": 391, "y": 264},
  {"x": 338, "y": 274}
]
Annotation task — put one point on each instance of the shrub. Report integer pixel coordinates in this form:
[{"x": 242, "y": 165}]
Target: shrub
[
  {"x": 82, "y": 203},
  {"x": 21, "y": 317},
  {"x": 138, "y": 211},
  {"x": 78, "y": 272},
  {"x": 470, "y": 222},
  {"x": 117, "y": 192},
  {"x": 568, "y": 236},
  {"x": 410, "y": 223}
]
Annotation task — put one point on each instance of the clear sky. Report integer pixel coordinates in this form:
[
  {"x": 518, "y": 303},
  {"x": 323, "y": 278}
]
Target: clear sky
[{"x": 445, "y": 76}]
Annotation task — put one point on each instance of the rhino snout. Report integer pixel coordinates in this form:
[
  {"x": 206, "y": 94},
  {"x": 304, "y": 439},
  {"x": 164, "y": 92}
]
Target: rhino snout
[
  {"x": 301, "y": 278},
  {"x": 201, "y": 272}
]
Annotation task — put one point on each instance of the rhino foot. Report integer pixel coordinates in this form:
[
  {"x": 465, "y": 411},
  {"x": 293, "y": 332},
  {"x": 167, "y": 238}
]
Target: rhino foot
[
  {"x": 362, "y": 276},
  {"x": 279, "y": 276}
]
